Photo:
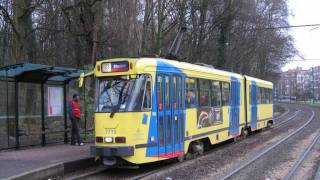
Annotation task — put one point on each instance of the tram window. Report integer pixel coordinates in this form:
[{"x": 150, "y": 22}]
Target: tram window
[
  {"x": 176, "y": 129},
  {"x": 147, "y": 94},
  {"x": 175, "y": 99},
  {"x": 180, "y": 91},
  {"x": 159, "y": 91},
  {"x": 191, "y": 93},
  {"x": 167, "y": 95},
  {"x": 266, "y": 95},
  {"x": 168, "y": 125},
  {"x": 270, "y": 96},
  {"x": 258, "y": 95},
  {"x": 261, "y": 97},
  {"x": 225, "y": 91},
  {"x": 181, "y": 127},
  {"x": 204, "y": 91},
  {"x": 216, "y": 93},
  {"x": 161, "y": 131},
  {"x": 250, "y": 95}
]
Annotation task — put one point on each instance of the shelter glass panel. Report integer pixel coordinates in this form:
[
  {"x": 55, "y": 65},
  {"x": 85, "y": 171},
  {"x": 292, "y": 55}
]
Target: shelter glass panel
[
  {"x": 30, "y": 114},
  {"x": 7, "y": 118}
]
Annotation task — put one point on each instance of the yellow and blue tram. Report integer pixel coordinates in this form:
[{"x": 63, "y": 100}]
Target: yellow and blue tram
[{"x": 152, "y": 109}]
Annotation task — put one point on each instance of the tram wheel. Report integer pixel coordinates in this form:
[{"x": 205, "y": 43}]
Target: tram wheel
[
  {"x": 198, "y": 147},
  {"x": 269, "y": 125},
  {"x": 244, "y": 133},
  {"x": 180, "y": 158}
]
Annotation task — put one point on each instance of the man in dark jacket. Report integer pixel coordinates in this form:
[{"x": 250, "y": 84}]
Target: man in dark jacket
[{"x": 75, "y": 116}]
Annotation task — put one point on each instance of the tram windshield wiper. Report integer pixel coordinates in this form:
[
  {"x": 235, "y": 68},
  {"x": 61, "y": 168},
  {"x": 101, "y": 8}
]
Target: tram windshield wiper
[{"x": 117, "y": 107}]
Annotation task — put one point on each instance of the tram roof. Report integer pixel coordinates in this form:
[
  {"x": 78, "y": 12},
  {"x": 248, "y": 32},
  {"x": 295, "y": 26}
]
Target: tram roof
[
  {"x": 38, "y": 73},
  {"x": 143, "y": 63},
  {"x": 259, "y": 80},
  {"x": 189, "y": 67}
]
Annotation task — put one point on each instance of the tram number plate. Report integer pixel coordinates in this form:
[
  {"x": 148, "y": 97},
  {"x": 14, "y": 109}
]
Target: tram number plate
[{"x": 110, "y": 131}]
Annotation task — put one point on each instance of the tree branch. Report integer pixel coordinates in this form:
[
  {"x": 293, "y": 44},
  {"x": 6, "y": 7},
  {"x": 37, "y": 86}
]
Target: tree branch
[{"x": 7, "y": 18}]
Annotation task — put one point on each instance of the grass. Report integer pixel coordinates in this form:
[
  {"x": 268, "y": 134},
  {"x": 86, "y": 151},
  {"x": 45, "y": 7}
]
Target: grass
[{"x": 315, "y": 104}]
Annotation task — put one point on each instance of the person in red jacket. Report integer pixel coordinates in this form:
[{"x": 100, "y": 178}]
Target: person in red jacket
[{"x": 75, "y": 116}]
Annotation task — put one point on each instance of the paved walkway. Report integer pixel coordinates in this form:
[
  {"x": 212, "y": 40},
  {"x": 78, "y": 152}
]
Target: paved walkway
[{"x": 15, "y": 162}]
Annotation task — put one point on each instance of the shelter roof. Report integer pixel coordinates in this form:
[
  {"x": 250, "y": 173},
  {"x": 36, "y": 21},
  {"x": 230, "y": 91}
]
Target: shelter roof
[{"x": 38, "y": 73}]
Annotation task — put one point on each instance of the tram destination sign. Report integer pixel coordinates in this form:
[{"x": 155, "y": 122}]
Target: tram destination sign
[{"x": 122, "y": 66}]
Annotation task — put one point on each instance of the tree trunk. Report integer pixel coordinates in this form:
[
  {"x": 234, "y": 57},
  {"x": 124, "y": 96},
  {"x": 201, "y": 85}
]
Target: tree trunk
[
  {"x": 203, "y": 17},
  {"x": 159, "y": 38},
  {"x": 24, "y": 44},
  {"x": 146, "y": 24},
  {"x": 98, "y": 11},
  {"x": 223, "y": 33}
]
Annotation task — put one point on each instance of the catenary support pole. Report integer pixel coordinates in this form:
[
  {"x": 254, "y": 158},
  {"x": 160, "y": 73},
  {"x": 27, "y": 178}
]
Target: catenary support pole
[
  {"x": 65, "y": 112},
  {"x": 8, "y": 127},
  {"x": 43, "y": 128},
  {"x": 85, "y": 109},
  {"x": 312, "y": 85},
  {"x": 16, "y": 104}
]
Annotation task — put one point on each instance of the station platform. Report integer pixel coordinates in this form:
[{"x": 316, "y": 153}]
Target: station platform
[{"x": 44, "y": 162}]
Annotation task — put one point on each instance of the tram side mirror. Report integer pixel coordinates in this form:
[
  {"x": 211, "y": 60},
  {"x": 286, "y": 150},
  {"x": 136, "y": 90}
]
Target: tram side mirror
[
  {"x": 81, "y": 80},
  {"x": 83, "y": 76}
]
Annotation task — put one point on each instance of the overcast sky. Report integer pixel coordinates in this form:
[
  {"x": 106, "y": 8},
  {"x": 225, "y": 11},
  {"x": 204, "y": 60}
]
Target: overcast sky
[{"x": 307, "y": 39}]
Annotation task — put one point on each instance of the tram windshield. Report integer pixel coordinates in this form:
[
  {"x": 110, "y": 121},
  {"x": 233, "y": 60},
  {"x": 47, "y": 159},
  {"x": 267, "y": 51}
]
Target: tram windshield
[{"x": 124, "y": 93}]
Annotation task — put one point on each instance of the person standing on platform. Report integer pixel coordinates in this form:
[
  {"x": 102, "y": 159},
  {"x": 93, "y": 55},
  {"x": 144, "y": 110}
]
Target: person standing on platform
[{"x": 75, "y": 116}]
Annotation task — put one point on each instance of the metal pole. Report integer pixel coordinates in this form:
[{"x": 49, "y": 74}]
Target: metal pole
[
  {"x": 16, "y": 91},
  {"x": 43, "y": 136},
  {"x": 85, "y": 110},
  {"x": 8, "y": 127},
  {"x": 312, "y": 86},
  {"x": 290, "y": 91},
  {"x": 65, "y": 113}
]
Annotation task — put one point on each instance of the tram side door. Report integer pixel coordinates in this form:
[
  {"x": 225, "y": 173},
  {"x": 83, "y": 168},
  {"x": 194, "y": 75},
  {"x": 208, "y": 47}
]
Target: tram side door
[
  {"x": 164, "y": 114},
  {"x": 169, "y": 115},
  {"x": 177, "y": 114},
  {"x": 254, "y": 108}
]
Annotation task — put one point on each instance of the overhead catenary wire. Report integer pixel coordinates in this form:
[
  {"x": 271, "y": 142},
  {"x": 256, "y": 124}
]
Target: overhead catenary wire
[
  {"x": 285, "y": 27},
  {"x": 305, "y": 59}
]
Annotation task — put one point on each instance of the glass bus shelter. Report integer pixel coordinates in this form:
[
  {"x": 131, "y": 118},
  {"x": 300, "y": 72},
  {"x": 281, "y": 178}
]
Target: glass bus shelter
[{"x": 49, "y": 80}]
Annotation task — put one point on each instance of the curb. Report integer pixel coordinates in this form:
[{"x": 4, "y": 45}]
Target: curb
[{"x": 55, "y": 170}]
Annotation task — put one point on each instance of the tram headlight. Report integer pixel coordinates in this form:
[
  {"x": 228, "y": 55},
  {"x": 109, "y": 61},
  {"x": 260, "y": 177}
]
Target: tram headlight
[{"x": 108, "y": 139}]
